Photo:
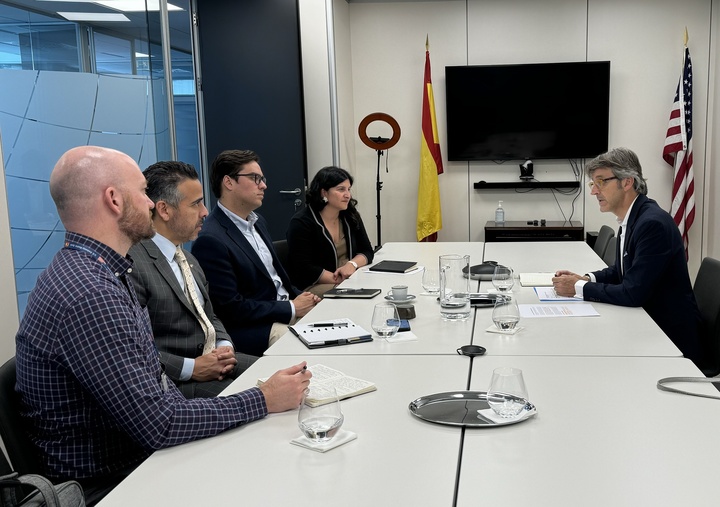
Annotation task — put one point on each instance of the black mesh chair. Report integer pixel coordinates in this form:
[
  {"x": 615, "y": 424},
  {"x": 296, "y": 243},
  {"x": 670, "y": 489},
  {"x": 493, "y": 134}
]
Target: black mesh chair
[
  {"x": 707, "y": 296},
  {"x": 20, "y": 450},
  {"x": 601, "y": 243}
]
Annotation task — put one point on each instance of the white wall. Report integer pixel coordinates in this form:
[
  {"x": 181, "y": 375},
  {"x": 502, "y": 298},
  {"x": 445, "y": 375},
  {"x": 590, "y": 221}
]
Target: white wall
[
  {"x": 641, "y": 38},
  {"x": 711, "y": 229},
  {"x": 8, "y": 301}
]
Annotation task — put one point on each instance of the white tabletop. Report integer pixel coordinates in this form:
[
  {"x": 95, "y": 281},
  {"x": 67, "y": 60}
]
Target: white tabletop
[
  {"x": 434, "y": 335},
  {"x": 545, "y": 256},
  {"x": 397, "y": 459},
  {"x": 618, "y": 331},
  {"x": 603, "y": 435}
]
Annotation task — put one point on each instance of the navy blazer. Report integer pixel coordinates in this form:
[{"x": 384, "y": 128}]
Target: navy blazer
[
  {"x": 655, "y": 276},
  {"x": 241, "y": 290}
]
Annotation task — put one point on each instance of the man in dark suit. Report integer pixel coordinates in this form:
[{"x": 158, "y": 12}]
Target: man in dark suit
[
  {"x": 249, "y": 288},
  {"x": 180, "y": 330},
  {"x": 650, "y": 268}
]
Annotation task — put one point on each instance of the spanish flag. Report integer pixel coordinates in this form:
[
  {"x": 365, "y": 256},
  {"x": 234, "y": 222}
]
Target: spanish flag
[{"x": 429, "y": 215}]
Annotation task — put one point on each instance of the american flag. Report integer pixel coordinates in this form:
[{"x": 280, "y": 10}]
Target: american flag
[{"x": 678, "y": 153}]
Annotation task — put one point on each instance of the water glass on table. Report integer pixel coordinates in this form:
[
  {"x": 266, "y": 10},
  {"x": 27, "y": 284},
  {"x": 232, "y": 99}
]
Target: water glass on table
[
  {"x": 321, "y": 423},
  {"x": 507, "y": 394},
  {"x": 431, "y": 281},
  {"x": 506, "y": 313},
  {"x": 503, "y": 278},
  {"x": 385, "y": 320}
]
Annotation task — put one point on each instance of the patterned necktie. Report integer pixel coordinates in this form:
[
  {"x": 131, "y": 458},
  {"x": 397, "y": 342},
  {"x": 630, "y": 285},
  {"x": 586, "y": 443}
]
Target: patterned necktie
[{"x": 192, "y": 297}]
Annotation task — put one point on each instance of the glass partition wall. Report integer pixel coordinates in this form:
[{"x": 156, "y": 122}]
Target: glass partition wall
[{"x": 72, "y": 78}]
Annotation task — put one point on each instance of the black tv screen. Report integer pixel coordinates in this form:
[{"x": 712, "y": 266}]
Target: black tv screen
[{"x": 528, "y": 111}]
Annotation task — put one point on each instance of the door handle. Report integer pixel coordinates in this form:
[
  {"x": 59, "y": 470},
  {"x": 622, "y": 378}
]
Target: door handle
[{"x": 294, "y": 192}]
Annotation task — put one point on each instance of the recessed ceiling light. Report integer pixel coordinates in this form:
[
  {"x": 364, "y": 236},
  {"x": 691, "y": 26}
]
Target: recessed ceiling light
[
  {"x": 135, "y": 5},
  {"x": 93, "y": 16}
]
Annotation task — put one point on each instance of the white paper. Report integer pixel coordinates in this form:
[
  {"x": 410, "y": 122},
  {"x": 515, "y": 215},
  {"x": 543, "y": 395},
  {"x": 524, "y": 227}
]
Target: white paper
[
  {"x": 558, "y": 310},
  {"x": 549, "y": 294}
]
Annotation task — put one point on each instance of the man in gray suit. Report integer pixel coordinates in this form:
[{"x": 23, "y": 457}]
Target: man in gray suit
[{"x": 200, "y": 362}]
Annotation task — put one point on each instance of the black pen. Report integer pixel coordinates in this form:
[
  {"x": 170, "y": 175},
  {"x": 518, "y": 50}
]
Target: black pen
[{"x": 329, "y": 324}]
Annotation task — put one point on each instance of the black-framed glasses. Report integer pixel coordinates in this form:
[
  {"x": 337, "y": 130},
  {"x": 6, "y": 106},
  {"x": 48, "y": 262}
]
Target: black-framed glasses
[
  {"x": 257, "y": 178},
  {"x": 600, "y": 182}
]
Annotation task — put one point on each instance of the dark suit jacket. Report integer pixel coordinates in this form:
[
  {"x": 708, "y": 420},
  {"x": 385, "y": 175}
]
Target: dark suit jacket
[
  {"x": 655, "y": 276},
  {"x": 242, "y": 292},
  {"x": 312, "y": 249},
  {"x": 177, "y": 331}
]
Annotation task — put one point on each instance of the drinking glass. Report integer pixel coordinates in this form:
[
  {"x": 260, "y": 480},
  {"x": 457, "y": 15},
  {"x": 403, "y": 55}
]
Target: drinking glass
[
  {"x": 385, "y": 320},
  {"x": 507, "y": 394},
  {"x": 503, "y": 278},
  {"x": 321, "y": 423},
  {"x": 506, "y": 313},
  {"x": 431, "y": 281}
]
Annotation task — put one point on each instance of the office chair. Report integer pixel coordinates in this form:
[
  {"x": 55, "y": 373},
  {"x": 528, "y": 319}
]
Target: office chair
[
  {"x": 707, "y": 296},
  {"x": 610, "y": 251},
  {"x": 601, "y": 243},
  {"x": 282, "y": 251},
  {"x": 20, "y": 450}
]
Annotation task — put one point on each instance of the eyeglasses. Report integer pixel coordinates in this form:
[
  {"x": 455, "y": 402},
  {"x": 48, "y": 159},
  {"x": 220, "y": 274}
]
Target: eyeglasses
[
  {"x": 600, "y": 182},
  {"x": 257, "y": 178}
]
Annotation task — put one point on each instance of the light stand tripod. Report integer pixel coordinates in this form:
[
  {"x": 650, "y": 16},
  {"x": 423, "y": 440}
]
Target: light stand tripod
[
  {"x": 379, "y": 144},
  {"x": 378, "y": 188}
]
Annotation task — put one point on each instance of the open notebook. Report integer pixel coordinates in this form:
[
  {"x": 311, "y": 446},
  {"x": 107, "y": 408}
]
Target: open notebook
[{"x": 536, "y": 279}]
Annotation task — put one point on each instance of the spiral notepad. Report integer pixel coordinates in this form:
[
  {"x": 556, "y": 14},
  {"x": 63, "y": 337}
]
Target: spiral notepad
[{"x": 330, "y": 333}]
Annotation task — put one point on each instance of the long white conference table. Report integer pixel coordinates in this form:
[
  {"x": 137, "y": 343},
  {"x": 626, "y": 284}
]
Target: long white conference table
[
  {"x": 618, "y": 331},
  {"x": 603, "y": 434}
]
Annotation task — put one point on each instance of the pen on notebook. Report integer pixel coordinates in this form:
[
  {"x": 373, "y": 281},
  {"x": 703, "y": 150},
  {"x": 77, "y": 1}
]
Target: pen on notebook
[{"x": 329, "y": 324}]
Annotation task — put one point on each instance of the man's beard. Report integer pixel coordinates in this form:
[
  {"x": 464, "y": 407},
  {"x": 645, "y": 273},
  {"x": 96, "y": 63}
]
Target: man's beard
[{"x": 135, "y": 224}]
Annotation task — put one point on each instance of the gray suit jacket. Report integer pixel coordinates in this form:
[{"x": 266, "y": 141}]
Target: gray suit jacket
[{"x": 178, "y": 333}]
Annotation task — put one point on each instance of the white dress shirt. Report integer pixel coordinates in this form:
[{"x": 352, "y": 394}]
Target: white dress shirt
[{"x": 247, "y": 228}]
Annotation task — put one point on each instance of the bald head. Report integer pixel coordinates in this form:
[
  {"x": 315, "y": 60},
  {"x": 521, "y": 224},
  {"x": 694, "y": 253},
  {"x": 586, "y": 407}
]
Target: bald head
[
  {"x": 95, "y": 189},
  {"x": 80, "y": 177}
]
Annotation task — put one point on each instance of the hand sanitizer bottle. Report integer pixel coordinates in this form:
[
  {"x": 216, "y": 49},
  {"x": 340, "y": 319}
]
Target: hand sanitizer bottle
[{"x": 499, "y": 214}]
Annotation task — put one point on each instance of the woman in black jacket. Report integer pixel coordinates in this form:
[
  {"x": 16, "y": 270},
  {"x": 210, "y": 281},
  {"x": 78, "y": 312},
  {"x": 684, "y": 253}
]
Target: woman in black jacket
[{"x": 327, "y": 241}]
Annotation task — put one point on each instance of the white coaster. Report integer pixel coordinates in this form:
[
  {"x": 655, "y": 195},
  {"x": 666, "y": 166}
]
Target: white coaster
[
  {"x": 493, "y": 329},
  {"x": 342, "y": 437},
  {"x": 404, "y": 336}
]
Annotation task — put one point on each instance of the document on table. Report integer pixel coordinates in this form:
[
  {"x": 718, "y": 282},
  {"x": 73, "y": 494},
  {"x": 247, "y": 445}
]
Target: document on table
[
  {"x": 556, "y": 310},
  {"x": 549, "y": 294}
]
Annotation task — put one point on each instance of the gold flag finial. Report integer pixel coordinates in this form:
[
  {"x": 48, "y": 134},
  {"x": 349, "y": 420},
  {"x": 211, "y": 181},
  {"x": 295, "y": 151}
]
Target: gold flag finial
[
  {"x": 427, "y": 43},
  {"x": 686, "y": 37}
]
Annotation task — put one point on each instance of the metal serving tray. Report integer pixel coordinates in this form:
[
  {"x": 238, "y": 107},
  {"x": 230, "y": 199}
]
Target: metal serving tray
[{"x": 460, "y": 408}]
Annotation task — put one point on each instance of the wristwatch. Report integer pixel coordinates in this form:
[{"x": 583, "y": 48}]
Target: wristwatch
[{"x": 354, "y": 264}]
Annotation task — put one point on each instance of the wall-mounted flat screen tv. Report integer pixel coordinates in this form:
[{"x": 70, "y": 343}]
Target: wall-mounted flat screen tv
[{"x": 528, "y": 111}]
